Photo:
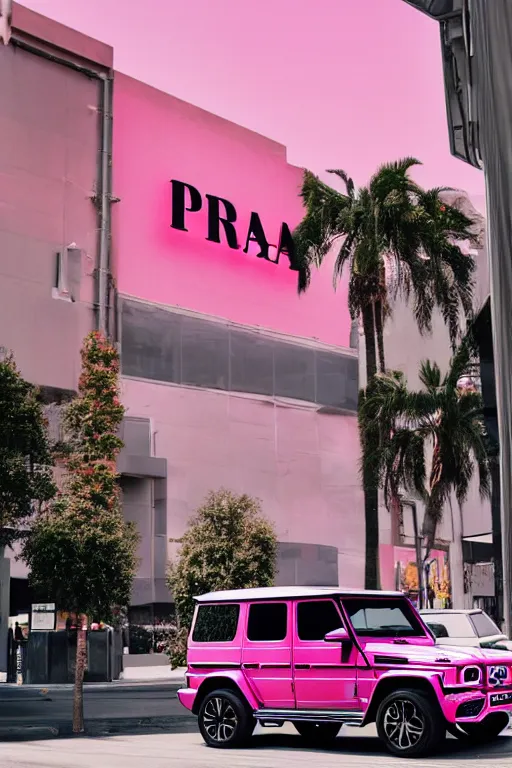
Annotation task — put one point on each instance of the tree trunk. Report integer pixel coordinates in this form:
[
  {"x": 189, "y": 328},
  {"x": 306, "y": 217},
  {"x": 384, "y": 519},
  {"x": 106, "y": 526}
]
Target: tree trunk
[
  {"x": 433, "y": 514},
  {"x": 371, "y": 519},
  {"x": 379, "y": 332},
  {"x": 370, "y": 481},
  {"x": 78, "y": 696},
  {"x": 369, "y": 343}
]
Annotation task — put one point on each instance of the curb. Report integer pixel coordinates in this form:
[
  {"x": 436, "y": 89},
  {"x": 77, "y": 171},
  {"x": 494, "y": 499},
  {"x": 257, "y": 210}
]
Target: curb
[
  {"x": 28, "y": 733},
  {"x": 44, "y": 689}
]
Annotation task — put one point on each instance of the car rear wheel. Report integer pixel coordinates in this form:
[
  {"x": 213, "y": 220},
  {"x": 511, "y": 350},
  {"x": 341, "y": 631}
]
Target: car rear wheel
[
  {"x": 318, "y": 733},
  {"x": 410, "y": 724},
  {"x": 481, "y": 733},
  {"x": 225, "y": 720}
]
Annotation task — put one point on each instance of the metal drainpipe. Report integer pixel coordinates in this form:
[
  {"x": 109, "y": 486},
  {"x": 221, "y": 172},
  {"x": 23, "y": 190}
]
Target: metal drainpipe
[{"x": 106, "y": 177}]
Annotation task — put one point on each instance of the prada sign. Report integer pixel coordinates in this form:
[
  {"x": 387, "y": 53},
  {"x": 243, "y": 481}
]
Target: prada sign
[{"x": 221, "y": 223}]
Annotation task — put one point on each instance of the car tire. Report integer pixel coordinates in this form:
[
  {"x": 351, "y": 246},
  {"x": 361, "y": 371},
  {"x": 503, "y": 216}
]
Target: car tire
[
  {"x": 225, "y": 720},
  {"x": 410, "y": 724},
  {"x": 481, "y": 733},
  {"x": 317, "y": 733}
]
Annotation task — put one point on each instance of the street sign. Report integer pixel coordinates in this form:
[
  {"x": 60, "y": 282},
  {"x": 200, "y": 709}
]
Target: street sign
[{"x": 43, "y": 617}]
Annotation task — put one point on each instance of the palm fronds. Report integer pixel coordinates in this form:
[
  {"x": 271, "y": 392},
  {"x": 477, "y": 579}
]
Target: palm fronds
[{"x": 444, "y": 419}]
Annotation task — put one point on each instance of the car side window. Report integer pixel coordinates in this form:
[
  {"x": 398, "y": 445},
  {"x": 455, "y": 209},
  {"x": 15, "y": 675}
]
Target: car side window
[
  {"x": 216, "y": 623},
  {"x": 267, "y": 622},
  {"x": 316, "y": 618}
]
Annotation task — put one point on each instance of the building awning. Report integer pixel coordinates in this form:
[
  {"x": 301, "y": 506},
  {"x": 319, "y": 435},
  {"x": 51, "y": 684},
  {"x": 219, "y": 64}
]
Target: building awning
[{"x": 481, "y": 538}]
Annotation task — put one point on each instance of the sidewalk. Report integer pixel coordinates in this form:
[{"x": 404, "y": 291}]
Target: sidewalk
[
  {"x": 137, "y": 676},
  {"x": 153, "y": 674}
]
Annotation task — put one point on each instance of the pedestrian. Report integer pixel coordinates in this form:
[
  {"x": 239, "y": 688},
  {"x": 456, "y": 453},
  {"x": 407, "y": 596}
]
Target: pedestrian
[{"x": 18, "y": 633}]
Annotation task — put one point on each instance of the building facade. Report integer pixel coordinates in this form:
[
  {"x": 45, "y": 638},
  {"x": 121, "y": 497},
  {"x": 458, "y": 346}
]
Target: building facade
[
  {"x": 52, "y": 81},
  {"x": 476, "y": 62},
  {"x": 230, "y": 379},
  {"x": 124, "y": 208}
]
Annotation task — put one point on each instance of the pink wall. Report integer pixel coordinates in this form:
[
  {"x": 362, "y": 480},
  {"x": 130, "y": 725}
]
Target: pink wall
[
  {"x": 302, "y": 465},
  {"x": 158, "y": 138}
]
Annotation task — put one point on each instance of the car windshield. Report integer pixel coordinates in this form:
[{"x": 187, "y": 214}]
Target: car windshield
[{"x": 383, "y": 617}]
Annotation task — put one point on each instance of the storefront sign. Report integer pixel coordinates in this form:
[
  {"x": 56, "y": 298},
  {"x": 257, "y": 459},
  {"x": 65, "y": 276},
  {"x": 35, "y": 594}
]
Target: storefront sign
[
  {"x": 222, "y": 214},
  {"x": 43, "y": 617}
]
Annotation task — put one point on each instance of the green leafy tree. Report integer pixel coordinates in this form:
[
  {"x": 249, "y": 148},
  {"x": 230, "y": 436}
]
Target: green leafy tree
[
  {"x": 431, "y": 440},
  {"x": 228, "y": 545},
  {"x": 81, "y": 553},
  {"x": 26, "y": 475},
  {"x": 394, "y": 239}
]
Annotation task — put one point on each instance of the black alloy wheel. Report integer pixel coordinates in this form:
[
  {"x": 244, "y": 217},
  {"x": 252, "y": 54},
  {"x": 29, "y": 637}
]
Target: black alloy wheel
[
  {"x": 224, "y": 720},
  {"x": 410, "y": 724}
]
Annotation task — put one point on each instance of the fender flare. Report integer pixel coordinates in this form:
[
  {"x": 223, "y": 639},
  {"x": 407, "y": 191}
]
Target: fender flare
[
  {"x": 431, "y": 677},
  {"x": 238, "y": 678}
]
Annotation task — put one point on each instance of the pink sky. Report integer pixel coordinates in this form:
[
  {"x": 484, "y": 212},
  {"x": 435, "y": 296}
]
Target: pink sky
[{"x": 343, "y": 83}]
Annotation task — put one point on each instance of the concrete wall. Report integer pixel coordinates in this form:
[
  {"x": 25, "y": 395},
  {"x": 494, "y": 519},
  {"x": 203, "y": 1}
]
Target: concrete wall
[
  {"x": 301, "y": 464},
  {"x": 158, "y": 138},
  {"x": 4, "y": 613},
  {"x": 246, "y": 385},
  {"x": 49, "y": 134}
]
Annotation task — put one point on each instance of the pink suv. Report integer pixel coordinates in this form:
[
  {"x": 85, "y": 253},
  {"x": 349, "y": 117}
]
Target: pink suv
[{"x": 321, "y": 658}]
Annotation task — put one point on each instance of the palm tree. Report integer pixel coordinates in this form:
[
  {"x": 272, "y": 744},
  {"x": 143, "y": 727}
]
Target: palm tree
[
  {"x": 394, "y": 239},
  {"x": 445, "y": 420}
]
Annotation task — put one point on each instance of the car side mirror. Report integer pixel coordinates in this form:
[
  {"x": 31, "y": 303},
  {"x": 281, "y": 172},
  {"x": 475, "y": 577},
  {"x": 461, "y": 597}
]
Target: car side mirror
[{"x": 337, "y": 636}]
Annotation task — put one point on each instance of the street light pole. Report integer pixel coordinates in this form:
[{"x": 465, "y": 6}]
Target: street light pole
[
  {"x": 417, "y": 547},
  {"x": 491, "y": 27}
]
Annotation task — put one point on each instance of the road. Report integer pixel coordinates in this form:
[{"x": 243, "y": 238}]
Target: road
[
  {"x": 124, "y": 705},
  {"x": 277, "y": 750},
  {"x": 145, "y": 724}
]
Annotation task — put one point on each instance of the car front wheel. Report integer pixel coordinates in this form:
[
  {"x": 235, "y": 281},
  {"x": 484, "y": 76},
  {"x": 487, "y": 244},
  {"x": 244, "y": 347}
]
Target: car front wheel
[
  {"x": 410, "y": 724},
  {"x": 224, "y": 720}
]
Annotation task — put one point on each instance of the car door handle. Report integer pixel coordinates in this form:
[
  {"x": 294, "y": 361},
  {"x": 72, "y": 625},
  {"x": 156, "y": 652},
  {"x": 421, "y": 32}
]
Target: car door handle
[{"x": 303, "y": 666}]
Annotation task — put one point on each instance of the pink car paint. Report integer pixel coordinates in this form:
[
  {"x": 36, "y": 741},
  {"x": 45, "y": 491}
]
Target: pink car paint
[{"x": 383, "y": 666}]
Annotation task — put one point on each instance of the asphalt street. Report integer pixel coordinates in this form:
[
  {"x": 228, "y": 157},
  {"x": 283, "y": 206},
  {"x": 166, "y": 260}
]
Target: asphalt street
[
  {"x": 131, "y": 724},
  {"x": 280, "y": 749},
  {"x": 116, "y": 707}
]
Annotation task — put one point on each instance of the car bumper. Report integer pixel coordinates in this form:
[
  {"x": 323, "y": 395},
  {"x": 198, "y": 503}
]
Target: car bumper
[
  {"x": 187, "y": 697},
  {"x": 476, "y": 706}
]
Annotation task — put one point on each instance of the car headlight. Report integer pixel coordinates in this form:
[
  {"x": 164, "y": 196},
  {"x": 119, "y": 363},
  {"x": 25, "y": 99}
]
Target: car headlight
[
  {"x": 497, "y": 675},
  {"x": 471, "y": 675}
]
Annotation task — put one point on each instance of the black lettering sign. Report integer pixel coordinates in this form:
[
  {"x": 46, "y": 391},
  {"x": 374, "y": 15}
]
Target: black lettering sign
[
  {"x": 287, "y": 246},
  {"x": 256, "y": 234},
  {"x": 178, "y": 203},
  {"x": 227, "y": 221},
  {"x": 186, "y": 198}
]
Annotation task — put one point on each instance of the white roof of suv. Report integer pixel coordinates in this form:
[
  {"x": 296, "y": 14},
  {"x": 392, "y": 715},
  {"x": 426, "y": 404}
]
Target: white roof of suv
[
  {"x": 287, "y": 593},
  {"x": 450, "y": 611}
]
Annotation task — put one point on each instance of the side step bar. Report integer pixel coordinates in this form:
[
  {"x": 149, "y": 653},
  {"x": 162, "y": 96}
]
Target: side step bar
[{"x": 344, "y": 717}]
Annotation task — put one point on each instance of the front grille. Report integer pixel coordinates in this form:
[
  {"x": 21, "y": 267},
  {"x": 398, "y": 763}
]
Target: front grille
[{"x": 470, "y": 708}]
